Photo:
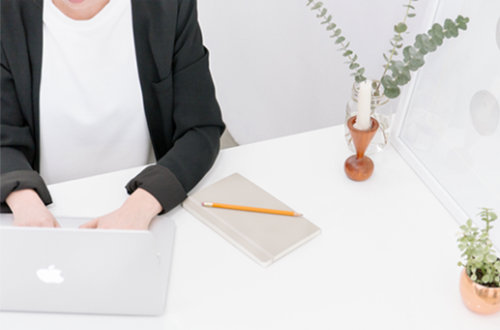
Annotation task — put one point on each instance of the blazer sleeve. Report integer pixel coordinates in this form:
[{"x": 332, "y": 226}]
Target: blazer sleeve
[
  {"x": 197, "y": 118},
  {"x": 17, "y": 146}
]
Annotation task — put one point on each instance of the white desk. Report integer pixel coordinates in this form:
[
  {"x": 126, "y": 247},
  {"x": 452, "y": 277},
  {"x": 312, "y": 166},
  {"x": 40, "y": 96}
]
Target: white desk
[{"x": 388, "y": 263}]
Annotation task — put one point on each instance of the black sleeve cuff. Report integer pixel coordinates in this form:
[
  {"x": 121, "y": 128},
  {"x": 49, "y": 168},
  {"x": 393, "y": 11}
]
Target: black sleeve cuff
[
  {"x": 22, "y": 179},
  {"x": 160, "y": 182}
]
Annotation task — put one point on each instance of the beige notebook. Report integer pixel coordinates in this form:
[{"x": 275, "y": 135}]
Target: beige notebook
[{"x": 264, "y": 237}]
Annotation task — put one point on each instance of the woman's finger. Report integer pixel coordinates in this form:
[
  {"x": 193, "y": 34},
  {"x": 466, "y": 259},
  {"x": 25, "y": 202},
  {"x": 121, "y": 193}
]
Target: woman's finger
[{"x": 92, "y": 224}]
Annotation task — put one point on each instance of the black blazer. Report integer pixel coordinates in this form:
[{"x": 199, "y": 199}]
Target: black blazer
[{"x": 183, "y": 116}]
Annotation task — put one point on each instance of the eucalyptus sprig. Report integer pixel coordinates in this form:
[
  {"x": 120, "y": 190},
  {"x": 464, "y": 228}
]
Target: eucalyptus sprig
[
  {"x": 397, "y": 73},
  {"x": 481, "y": 262},
  {"x": 397, "y": 40},
  {"x": 344, "y": 45},
  {"x": 413, "y": 56}
]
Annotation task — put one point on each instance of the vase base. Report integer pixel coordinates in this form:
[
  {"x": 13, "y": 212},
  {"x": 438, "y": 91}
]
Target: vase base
[{"x": 358, "y": 169}]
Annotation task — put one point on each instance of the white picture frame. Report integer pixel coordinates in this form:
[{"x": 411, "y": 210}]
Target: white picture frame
[{"x": 447, "y": 126}]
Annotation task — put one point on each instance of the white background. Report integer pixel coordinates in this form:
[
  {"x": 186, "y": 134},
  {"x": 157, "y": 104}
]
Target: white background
[{"x": 276, "y": 70}]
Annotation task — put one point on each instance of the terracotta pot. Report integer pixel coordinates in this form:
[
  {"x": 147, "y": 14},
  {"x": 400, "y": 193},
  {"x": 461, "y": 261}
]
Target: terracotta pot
[{"x": 479, "y": 298}]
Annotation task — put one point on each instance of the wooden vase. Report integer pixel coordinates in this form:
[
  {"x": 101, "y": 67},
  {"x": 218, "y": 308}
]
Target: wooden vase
[{"x": 359, "y": 167}]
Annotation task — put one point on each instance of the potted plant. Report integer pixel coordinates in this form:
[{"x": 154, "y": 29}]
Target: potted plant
[
  {"x": 400, "y": 61},
  {"x": 480, "y": 277}
]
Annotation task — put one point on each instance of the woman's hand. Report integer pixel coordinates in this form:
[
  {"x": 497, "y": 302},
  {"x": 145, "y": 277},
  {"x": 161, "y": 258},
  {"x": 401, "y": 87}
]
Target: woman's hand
[
  {"x": 29, "y": 210},
  {"x": 136, "y": 213}
]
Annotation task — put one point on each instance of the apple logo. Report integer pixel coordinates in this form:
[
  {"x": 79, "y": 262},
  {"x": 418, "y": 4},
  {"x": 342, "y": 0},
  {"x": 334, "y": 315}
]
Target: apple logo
[{"x": 50, "y": 275}]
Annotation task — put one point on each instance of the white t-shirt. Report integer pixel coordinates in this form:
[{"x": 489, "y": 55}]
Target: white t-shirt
[{"x": 92, "y": 116}]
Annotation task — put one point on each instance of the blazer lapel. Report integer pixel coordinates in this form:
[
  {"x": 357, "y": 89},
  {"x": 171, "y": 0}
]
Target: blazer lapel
[
  {"x": 154, "y": 25},
  {"x": 154, "y": 34}
]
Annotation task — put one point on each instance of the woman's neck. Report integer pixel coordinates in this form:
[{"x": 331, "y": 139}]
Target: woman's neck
[{"x": 80, "y": 9}]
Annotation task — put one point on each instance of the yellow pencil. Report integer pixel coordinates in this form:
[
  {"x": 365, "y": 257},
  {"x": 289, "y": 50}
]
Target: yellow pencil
[{"x": 250, "y": 209}]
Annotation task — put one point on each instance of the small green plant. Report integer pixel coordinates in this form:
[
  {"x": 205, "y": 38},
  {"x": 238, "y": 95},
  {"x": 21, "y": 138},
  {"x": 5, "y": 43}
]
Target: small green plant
[
  {"x": 397, "y": 73},
  {"x": 480, "y": 260}
]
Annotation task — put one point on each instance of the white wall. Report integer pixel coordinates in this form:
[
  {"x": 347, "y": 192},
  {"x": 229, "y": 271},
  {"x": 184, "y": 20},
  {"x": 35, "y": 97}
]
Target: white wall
[{"x": 276, "y": 70}]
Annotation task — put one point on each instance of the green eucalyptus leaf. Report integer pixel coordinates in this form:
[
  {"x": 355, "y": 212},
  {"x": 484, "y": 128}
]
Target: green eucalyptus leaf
[
  {"x": 419, "y": 44},
  {"x": 437, "y": 30},
  {"x": 409, "y": 52},
  {"x": 388, "y": 82},
  {"x": 317, "y": 5},
  {"x": 403, "y": 77},
  {"x": 415, "y": 64},
  {"x": 430, "y": 45},
  {"x": 359, "y": 79},
  {"x": 331, "y": 26},
  {"x": 396, "y": 44},
  {"x": 353, "y": 66},
  {"x": 438, "y": 41},
  {"x": 327, "y": 20},
  {"x": 401, "y": 27},
  {"x": 451, "y": 28},
  {"x": 392, "y": 92},
  {"x": 322, "y": 13},
  {"x": 447, "y": 34},
  {"x": 449, "y": 24},
  {"x": 397, "y": 66},
  {"x": 454, "y": 32}
]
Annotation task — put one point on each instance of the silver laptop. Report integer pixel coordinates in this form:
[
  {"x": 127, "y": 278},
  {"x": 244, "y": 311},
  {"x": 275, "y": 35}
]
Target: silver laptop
[{"x": 73, "y": 270}]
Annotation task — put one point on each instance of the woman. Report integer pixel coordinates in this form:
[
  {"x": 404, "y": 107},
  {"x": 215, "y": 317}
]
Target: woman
[{"x": 91, "y": 86}]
